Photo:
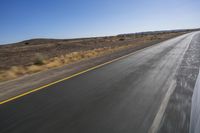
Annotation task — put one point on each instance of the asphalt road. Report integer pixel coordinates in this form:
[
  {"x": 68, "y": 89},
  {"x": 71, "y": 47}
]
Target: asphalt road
[{"x": 122, "y": 97}]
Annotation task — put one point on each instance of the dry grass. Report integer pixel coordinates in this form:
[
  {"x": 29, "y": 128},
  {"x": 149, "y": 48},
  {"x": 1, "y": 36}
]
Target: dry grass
[
  {"x": 36, "y": 56},
  {"x": 42, "y": 64}
]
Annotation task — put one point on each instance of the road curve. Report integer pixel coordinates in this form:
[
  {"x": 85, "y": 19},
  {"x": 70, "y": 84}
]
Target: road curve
[{"x": 122, "y": 97}]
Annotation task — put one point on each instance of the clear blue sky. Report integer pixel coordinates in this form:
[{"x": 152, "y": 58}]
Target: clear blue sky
[{"x": 26, "y": 19}]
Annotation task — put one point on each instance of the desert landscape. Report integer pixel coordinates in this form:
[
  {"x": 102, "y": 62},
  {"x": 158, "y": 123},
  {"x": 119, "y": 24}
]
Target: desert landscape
[
  {"x": 99, "y": 66},
  {"x": 37, "y": 55}
]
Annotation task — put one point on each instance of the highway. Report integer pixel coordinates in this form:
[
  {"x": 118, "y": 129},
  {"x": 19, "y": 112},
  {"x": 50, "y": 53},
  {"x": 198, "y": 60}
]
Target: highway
[{"x": 129, "y": 95}]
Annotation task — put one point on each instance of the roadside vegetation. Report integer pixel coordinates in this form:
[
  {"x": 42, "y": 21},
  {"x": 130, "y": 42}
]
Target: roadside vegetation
[{"x": 37, "y": 55}]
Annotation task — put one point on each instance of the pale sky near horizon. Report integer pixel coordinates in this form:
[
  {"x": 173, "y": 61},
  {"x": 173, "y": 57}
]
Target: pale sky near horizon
[{"x": 26, "y": 19}]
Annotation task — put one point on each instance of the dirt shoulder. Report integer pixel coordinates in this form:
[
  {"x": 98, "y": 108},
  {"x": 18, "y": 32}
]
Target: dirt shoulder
[
  {"x": 31, "y": 81},
  {"x": 38, "y": 55}
]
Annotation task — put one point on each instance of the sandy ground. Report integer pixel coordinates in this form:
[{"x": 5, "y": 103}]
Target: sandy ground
[
  {"x": 36, "y": 55},
  {"x": 25, "y": 83}
]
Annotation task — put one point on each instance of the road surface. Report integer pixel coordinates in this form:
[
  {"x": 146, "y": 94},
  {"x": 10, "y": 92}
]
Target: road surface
[{"x": 126, "y": 96}]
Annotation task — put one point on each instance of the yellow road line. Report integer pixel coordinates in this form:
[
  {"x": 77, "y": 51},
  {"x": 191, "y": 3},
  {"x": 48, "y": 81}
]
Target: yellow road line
[{"x": 74, "y": 75}]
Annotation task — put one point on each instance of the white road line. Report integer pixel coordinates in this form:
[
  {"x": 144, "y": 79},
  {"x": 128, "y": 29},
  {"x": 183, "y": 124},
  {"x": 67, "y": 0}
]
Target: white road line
[
  {"x": 157, "y": 120},
  {"x": 159, "y": 115}
]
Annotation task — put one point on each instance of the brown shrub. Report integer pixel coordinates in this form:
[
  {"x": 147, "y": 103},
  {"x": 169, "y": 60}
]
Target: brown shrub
[{"x": 39, "y": 59}]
